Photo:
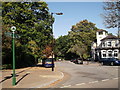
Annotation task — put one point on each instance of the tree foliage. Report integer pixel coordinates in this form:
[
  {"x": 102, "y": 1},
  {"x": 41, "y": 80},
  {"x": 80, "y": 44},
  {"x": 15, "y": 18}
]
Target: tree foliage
[
  {"x": 47, "y": 51},
  {"x": 82, "y": 35},
  {"x": 78, "y": 41},
  {"x": 62, "y": 45},
  {"x": 33, "y": 22}
]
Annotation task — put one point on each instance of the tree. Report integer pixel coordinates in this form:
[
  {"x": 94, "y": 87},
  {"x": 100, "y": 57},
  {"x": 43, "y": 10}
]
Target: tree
[
  {"x": 112, "y": 15},
  {"x": 47, "y": 51},
  {"x": 81, "y": 35},
  {"x": 62, "y": 45},
  {"x": 33, "y": 22},
  {"x": 78, "y": 42}
]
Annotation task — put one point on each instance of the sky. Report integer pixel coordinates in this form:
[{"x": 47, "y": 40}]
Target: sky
[{"x": 74, "y": 12}]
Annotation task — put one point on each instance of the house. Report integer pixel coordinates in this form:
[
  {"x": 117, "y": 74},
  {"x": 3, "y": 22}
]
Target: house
[{"x": 106, "y": 46}]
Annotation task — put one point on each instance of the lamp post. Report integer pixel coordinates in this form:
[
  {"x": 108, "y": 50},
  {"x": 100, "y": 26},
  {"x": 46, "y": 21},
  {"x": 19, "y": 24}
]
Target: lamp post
[
  {"x": 53, "y": 40},
  {"x": 13, "y": 28}
]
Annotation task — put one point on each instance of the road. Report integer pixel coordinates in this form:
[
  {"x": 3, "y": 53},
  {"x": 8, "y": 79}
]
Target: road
[{"x": 92, "y": 75}]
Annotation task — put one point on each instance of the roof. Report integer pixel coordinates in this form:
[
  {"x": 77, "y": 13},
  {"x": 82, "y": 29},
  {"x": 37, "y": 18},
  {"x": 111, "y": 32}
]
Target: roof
[
  {"x": 110, "y": 37},
  {"x": 101, "y": 30}
]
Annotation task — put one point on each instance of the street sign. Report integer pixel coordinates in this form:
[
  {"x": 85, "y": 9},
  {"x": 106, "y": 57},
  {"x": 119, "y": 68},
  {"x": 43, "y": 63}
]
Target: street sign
[
  {"x": 13, "y": 28},
  {"x": 9, "y": 34}
]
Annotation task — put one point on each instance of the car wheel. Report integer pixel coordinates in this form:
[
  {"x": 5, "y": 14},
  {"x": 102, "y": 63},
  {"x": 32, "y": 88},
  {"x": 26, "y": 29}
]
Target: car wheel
[{"x": 112, "y": 63}]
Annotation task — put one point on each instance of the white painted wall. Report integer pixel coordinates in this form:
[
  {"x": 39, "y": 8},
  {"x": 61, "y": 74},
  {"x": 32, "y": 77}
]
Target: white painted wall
[{"x": 100, "y": 37}]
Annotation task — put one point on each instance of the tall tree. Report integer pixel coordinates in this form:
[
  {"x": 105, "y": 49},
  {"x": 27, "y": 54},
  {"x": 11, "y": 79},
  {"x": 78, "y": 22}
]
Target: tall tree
[
  {"x": 33, "y": 22},
  {"x": 112, "y": 14},
  {"x": 78, "y": 41},
  {"x": 81, "y": 35}
]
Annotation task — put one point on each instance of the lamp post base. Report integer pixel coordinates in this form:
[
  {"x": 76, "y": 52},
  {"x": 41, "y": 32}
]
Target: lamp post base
[
  {"x": 13, "y": 81},
  {"x": 52, "y": 68}
]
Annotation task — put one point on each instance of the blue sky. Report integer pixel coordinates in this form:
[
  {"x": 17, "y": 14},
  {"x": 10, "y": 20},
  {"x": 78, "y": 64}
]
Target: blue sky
[{"x": 73, "y": 12}]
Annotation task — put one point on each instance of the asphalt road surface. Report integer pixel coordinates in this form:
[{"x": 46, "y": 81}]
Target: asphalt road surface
[{"x": 92, "y": 75}]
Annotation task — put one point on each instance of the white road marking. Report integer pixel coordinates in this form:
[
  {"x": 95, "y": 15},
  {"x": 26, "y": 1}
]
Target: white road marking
[
  {"x": 93, "y": 82},
  {"x": 80, "y": 84},
  {"x": 115, "y": 78},
  {"x": 105, "y": 80},
  {"x": 66, "y": 86},
  {"x": 88, "y": 82}
]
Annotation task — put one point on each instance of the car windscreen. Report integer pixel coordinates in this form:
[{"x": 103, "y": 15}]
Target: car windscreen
[{"x": 48, "y": 60}]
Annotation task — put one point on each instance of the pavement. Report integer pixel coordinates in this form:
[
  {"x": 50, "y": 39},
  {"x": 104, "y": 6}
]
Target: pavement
[{"x": 31, "y": 77}]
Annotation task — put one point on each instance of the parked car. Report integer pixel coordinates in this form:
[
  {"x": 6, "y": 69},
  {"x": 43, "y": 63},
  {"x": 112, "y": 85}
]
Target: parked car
[
  {"x": 75, "y": 61},
  {"x": 78, "y": 61},
  {"x": 48, "y": 62},
  {"x": 90, "y": 59},
  {"x": 109, "y": 61},
  {"x": 72, "y": 60}
]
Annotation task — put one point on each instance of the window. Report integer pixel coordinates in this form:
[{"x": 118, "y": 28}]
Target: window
[
  {"x": 116, "y": 43},
  {"x": 109, "y": 43},
  {"x": 103, "y": 54},
  {"x": 115, "y": 54},
  {"x": 109, "y": 53},
  {"x": 106, "y": 34},
  {"x": 103, "y": 44},
  {"x": 100, "y": 33}
]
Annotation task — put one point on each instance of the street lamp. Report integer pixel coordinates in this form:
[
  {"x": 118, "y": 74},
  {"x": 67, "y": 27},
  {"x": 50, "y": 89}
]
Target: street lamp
[
  {"x": 13, "y": 28},
  {"x": 53, "y": 40}
]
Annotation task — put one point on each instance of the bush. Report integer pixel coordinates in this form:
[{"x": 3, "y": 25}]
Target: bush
[{"x": 7, "y": 66}]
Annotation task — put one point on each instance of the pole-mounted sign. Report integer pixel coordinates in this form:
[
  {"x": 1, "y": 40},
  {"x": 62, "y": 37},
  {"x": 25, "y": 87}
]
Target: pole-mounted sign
[{"x": 13, "y": 28}]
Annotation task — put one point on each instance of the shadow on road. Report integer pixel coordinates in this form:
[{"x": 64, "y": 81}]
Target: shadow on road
[
  {"x": 7, "y": 77},
  {"x": 22, "y": 78}
]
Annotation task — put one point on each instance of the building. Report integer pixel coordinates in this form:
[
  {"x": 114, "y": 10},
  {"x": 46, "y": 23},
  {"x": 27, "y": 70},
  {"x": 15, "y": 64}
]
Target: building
[
  {"x": 100, "y": 34},
  {"x": 106, "y": 46}
]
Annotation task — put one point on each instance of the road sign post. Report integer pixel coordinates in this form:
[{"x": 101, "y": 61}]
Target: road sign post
[{"x": 13, "y": 28}]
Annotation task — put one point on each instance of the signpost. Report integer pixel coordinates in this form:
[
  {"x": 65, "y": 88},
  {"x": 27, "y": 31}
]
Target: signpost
[
  {"x": 13, "y": 35},
  {"x": 13, "y": 28}
]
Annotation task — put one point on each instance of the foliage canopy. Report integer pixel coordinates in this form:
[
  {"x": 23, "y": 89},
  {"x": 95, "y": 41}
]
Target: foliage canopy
[
  {"x": 33, "y": 22},
  {"x": 78, "y": 41}
]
